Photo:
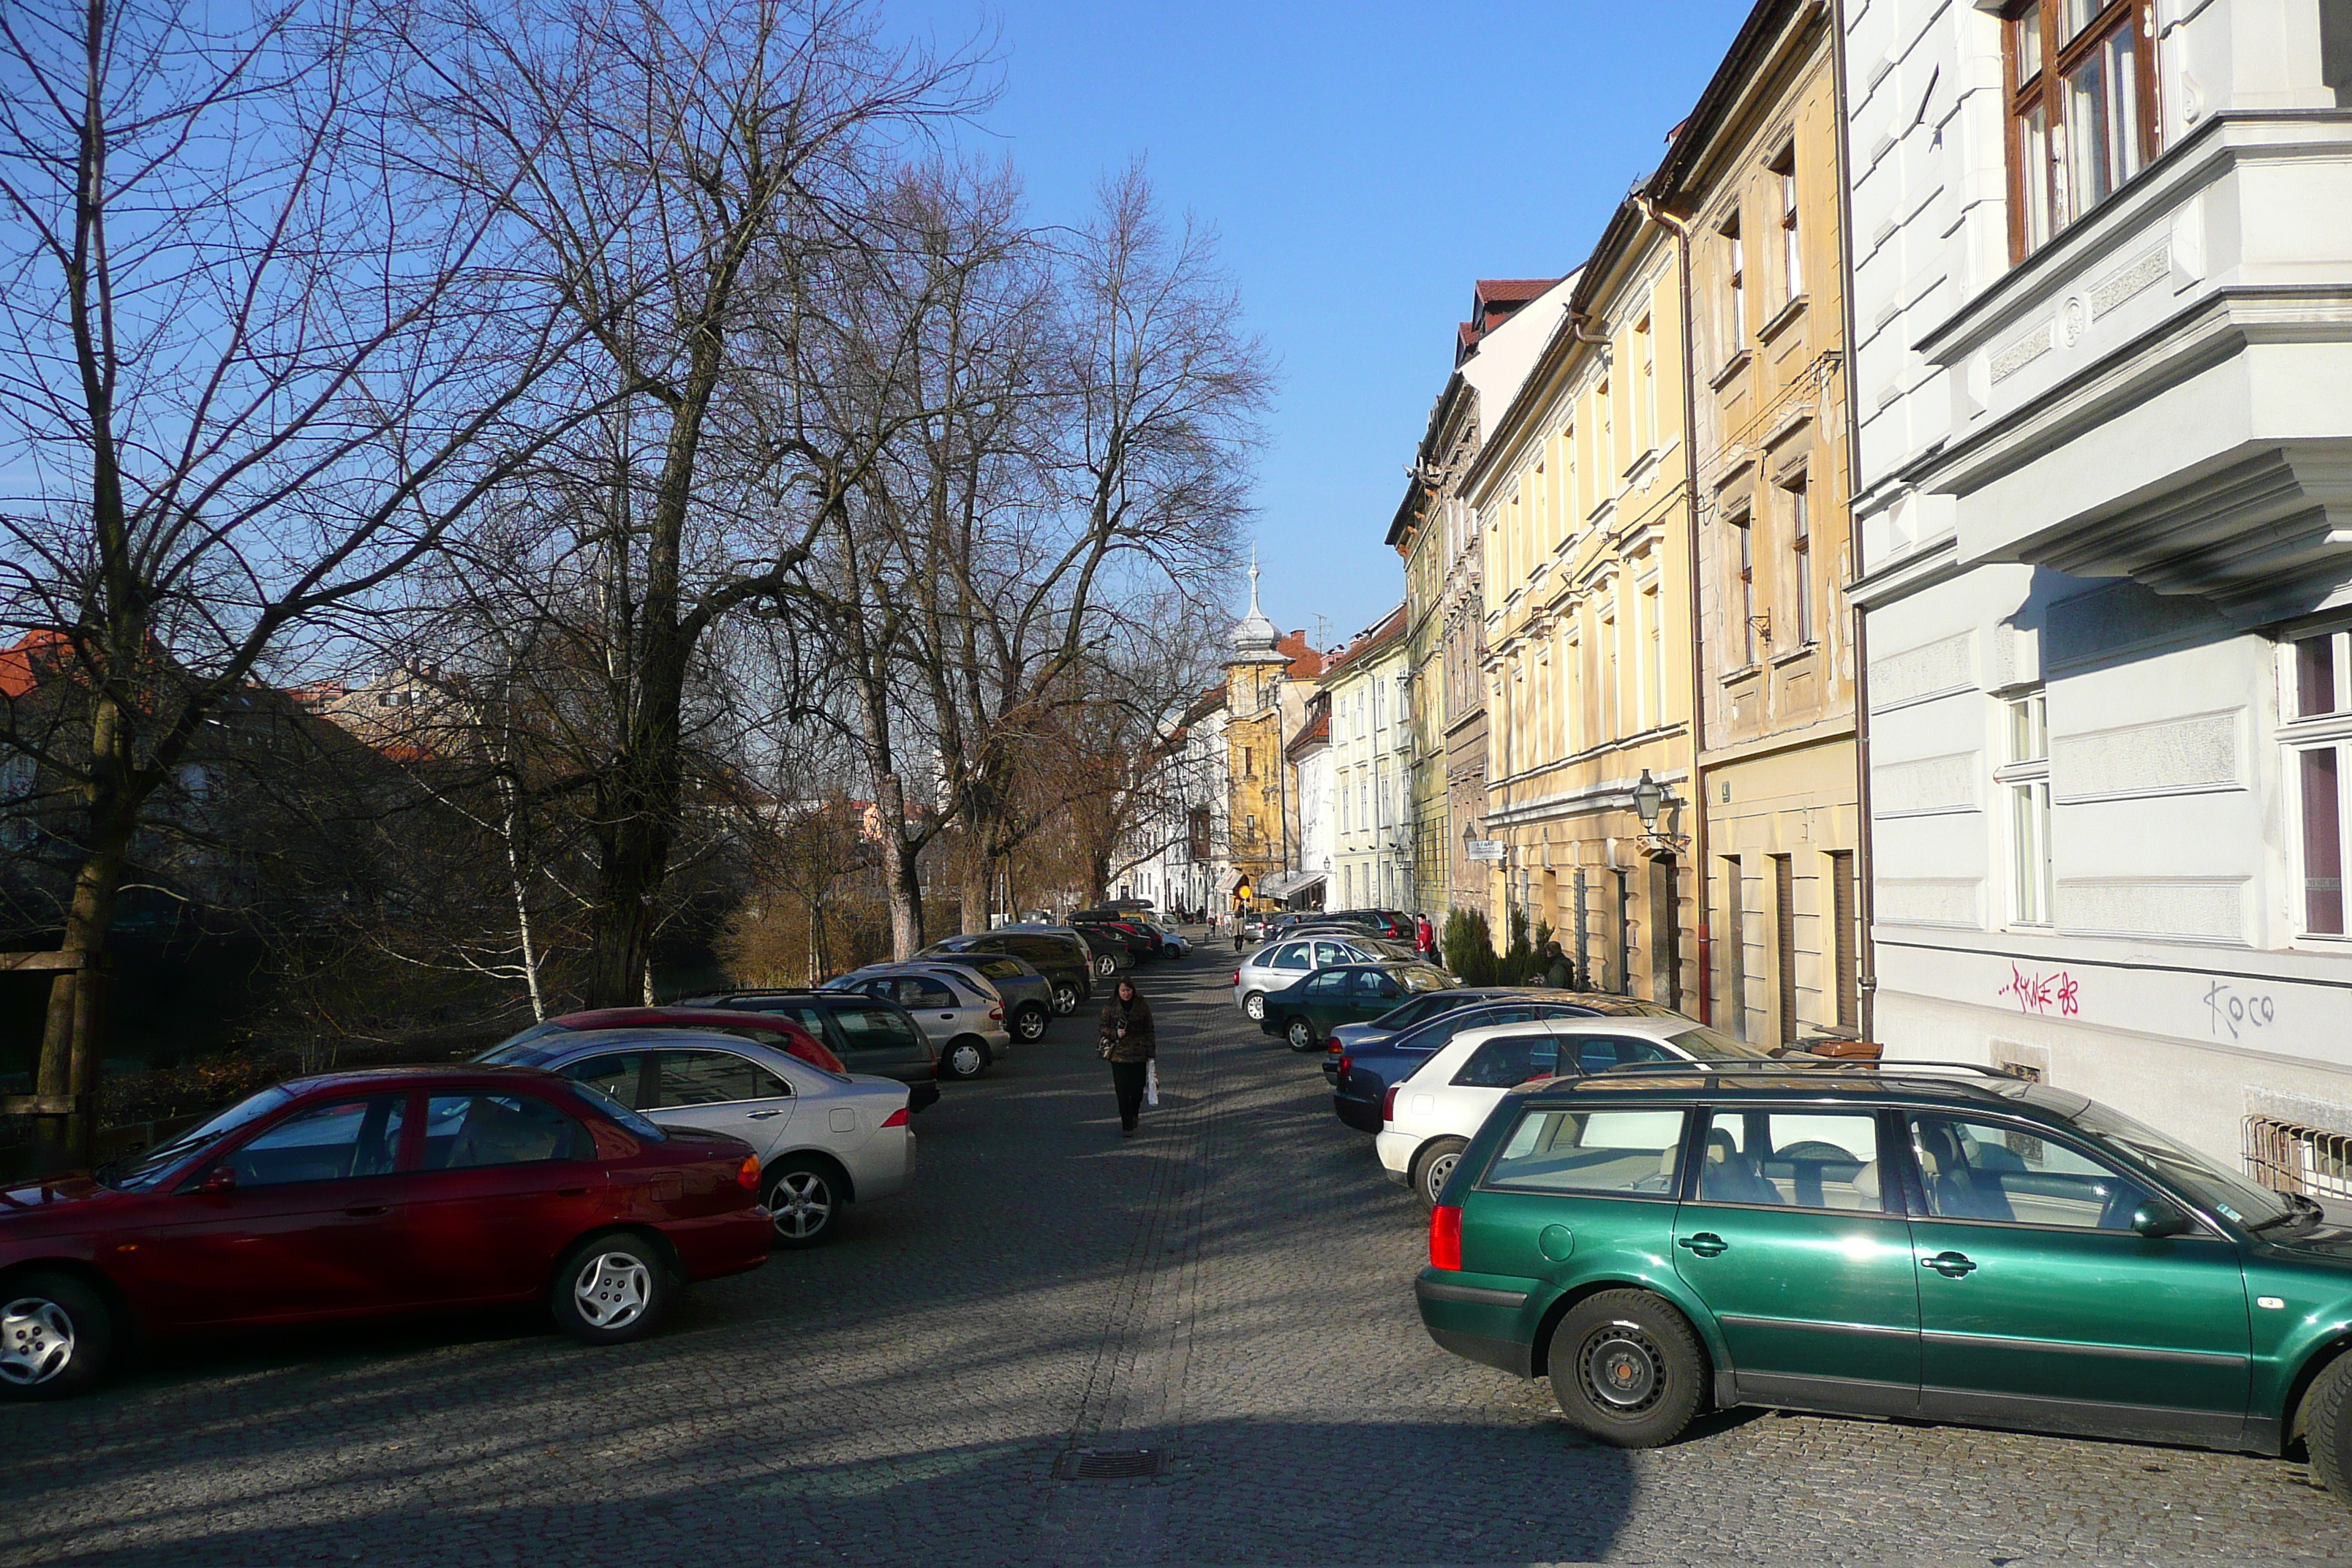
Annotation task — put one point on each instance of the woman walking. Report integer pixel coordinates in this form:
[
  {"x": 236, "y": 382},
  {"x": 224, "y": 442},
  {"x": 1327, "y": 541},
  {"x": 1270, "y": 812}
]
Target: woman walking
[{"x": 1130, "y": 1044}]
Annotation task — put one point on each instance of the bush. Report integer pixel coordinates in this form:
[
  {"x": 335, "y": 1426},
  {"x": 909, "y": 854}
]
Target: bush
[
  {"x": 1519, "y": 958},
  {"x": 1469, "y": 947}
]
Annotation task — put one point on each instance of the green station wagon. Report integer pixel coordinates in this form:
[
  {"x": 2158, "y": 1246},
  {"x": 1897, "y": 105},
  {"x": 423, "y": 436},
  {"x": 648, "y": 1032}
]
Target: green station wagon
[{"x": 1942, "y": 1242}]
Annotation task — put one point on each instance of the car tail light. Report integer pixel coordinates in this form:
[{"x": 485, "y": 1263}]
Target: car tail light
[
  {"x": 1445, "y": 1237},
  {"x": 747, "y": 1174},
  {"x": 1387, "y": 1104},
  {"x": 1237, "y": 977},
  {"x": 896, "y": 1119},
  {"x": 996, "y": 1015}
]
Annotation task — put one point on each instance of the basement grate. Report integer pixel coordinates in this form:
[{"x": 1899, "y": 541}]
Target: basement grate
[{"x": 1106, "y": 1464}]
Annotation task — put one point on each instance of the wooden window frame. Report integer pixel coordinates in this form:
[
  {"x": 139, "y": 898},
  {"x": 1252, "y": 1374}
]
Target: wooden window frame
[{"x": 2045, "y": 88}]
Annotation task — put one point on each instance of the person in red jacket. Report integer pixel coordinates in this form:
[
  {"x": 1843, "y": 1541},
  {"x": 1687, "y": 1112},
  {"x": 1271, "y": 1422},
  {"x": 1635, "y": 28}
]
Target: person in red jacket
[{"x": 1424, "y": 937}]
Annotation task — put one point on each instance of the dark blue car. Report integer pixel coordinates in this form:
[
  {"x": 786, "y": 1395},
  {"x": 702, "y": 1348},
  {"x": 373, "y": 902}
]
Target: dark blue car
[{"x": 1362, "y": 1075}]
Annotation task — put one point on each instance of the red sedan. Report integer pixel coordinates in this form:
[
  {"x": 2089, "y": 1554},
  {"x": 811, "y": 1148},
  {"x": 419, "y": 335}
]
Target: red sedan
[{"x": 396, "y": 1190}]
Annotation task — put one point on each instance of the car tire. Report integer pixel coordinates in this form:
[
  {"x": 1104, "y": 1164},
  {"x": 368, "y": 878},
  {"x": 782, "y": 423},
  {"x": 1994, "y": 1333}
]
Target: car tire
[
  {"x": 57, "y": 1337},
  {"x": 965, "y": 1058},
  {"x": 804, "y": 1199},
  {"x": 1433, "y": 1167},
  {"x": 1300, "y": 1034},
  {"x": 1106, "y": 965},
  {"x": 610, "y": 1289},
  {"x": 1065, "y": 1000},
  {"x": 2328, "y": 1428},
  {"x": 1626, "y": 1369},
  {"x": 1253, "y": 1006},
  {"x": 1029, "y": 1025}
]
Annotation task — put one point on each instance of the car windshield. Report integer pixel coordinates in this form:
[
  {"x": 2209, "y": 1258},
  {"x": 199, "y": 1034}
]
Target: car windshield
[
  {"x": 520, "y": 1052},
  {"x": 143, "y": 1171},
  {"x": 619, "y": 1112},
  {"x": 2217, "y": 1188},
  {"x": 1701, "y": 1041}
]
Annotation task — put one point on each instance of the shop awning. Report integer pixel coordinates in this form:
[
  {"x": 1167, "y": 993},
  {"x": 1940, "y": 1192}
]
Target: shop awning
[{"x": 1289, "y": 884}]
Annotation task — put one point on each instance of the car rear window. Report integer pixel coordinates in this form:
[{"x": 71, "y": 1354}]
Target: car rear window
[{"x": 1624, "y": 1154}]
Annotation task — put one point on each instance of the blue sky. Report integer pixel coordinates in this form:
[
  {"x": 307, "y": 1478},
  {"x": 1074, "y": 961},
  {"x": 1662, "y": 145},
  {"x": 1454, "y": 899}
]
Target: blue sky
[{"x": 1364, "y": 164}]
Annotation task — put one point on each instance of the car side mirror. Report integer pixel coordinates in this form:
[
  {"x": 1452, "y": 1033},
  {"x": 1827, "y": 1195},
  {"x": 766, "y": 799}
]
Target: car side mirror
[
  {"x": 220, "y": 1180},
  {"x": 2157, "y": 1219}
]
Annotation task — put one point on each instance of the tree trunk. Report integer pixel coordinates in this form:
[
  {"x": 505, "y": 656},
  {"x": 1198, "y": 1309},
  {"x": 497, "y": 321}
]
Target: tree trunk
[
  {"x": 905, "y": 875},
  {"x": 979, "y": 887},
  {"x": 69, "y": 1034}
]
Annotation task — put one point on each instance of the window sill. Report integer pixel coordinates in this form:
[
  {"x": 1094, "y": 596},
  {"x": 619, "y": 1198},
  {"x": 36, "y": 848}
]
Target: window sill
[
  {"x": 1746, "y": 672},
  {"x": 1781, "y": 319},
  {"x": 1724, "y": 376},
  {"x": 1802, "y": 651}
]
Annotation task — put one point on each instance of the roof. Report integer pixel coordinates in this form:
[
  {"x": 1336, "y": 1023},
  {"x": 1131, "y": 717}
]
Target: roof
[
  {"x": 34, "y": 659},
  {"x": 1738, "y": 72},
  {"x": 1514, "y": 290},
  {"x": 1305, "y": 661},
  {"x": 1317, "y": 729},
  {"x": 1373, "y": 640}
]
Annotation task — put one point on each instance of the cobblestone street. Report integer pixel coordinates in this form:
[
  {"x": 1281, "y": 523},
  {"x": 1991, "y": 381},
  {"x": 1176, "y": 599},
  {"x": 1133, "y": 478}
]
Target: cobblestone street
[{"x": 1233, "y": 1288}]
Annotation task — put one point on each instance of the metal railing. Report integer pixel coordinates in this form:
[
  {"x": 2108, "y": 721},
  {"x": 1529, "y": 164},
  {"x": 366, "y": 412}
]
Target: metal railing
[{"x": 2288, "y": 1157}]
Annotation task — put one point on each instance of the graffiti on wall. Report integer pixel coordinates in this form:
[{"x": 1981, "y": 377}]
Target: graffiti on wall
[{"x": 2056, "y": 992}]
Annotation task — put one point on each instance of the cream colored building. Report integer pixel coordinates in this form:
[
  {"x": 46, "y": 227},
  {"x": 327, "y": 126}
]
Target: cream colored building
[
  {"x": 1754, "y": 177},
  {"x": 1371, "y": 769},
  {"x": 1580, "y": 489}
]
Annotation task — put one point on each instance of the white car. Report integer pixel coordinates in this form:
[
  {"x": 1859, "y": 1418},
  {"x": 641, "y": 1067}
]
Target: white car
[
  {"x": 1282, "y": 963},
  {"x": 1431, "y": 1115},
  {"x": 824, "y": 1139}
]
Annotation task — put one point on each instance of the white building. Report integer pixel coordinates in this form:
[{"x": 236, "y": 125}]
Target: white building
[
  {"x": 1182, "y": 835},
  {"x": 1309, "y": 757},
  {"x": 1371, "y": 769},
  {"x": 2103, "y": 357}
]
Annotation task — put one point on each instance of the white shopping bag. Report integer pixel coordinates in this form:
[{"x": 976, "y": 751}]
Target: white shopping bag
[{"x": 1151, "y": 1083}]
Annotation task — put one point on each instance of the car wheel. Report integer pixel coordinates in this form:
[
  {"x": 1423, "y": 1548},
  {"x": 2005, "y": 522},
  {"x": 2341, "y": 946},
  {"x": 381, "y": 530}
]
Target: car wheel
[
  {"x": 803, "y": 1200},
  {"x": 1254, "y": 1005},
  {"x": 2327, "y": 1426},
  {"x": 1065, "y": 1000},
  {"x": 1029, "y": 1025},
  {"x": 57, "y": 1334},
  {"x": 610, "y": 1289},
  {"x": 1626, "y": 1369},
  {"x": 966, "y": 1059},
  {"x": 1106, "y": 965},
  {"x": 1433, "y": 1165},
  {"x": 1300, "y": 1034}
]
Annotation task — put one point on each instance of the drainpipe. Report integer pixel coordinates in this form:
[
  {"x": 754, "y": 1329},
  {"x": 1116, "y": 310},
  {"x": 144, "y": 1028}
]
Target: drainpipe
[
  {"x": 1865, "y": 877},
  {"x": 1680, "y": 231}
]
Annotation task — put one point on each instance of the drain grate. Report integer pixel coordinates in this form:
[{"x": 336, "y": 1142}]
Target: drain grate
[{"x": 1106, "y": 1464}]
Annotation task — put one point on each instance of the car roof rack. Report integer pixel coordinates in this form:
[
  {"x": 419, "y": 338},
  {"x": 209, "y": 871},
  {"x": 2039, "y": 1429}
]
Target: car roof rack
[{"x": 1802, "y": 1065}]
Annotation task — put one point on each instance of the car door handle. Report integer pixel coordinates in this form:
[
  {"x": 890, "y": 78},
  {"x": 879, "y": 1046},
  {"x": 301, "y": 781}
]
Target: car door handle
[
  {"x": 760, "y": 1115},
  {"x": 571, "y": 1192},
  {"x": 368, "y": 1211},
  {"x": 1705, "y": 1243},
  {"x": 1951, "y": 1265}
]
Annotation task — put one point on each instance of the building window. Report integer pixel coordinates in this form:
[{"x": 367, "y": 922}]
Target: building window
[
  {"x": 1747, "y": 596},
  {"x": 1800, "y": 554},
  {"x": 1652, "y": 610},
  {"x": 1646, "y": 359},
  {"x": 2317, "y": 729},
  {"x": 2024, "y": 779},
  {"x": 1792, "y": 265},
  {"x": 2082, "y": 110},
  {"x": 1735, "y": 271}
]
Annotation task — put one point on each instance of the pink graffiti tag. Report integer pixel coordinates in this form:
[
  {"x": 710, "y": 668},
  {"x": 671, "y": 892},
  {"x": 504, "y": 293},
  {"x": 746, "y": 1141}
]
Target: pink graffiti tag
[{"x": 2039, "y": 992}]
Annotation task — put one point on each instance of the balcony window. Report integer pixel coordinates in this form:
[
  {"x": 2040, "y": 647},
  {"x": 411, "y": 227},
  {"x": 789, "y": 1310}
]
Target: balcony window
[
  {"x": 1746, "y": 633},
  {"x": 2083, "y": 116},
  {"x": 1792, "y": 265},
  {"x": 1734, "y": 269}
]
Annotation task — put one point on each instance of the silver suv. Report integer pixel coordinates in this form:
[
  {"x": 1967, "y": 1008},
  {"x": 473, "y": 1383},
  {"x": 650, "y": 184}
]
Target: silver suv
[{"x": 958, "y": 1011}]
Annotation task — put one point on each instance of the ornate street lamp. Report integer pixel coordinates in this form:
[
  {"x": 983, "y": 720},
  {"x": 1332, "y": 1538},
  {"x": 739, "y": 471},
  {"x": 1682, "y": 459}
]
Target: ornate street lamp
[{"x": 1650, "y": 798}]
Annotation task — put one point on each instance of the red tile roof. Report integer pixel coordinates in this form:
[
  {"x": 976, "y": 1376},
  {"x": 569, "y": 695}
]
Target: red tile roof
[
  {"x": 1516, "y": 291},
  {"x": 1384, "y": 632},
  {"x": 33, "y": 661},
  {"x": 1305, "y": 663}
]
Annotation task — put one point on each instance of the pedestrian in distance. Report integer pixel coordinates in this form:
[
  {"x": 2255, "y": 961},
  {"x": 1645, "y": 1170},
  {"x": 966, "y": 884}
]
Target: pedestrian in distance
[
  {"x": 1130, "y": 1045},
  {"x": 1559, "y": 974},
  {"x": 1424, "y": 936},
  {"x": 1237, "y": 931}
]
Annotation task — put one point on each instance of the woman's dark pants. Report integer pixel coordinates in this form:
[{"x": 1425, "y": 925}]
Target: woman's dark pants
[{"x": 1127, "y": 1079}]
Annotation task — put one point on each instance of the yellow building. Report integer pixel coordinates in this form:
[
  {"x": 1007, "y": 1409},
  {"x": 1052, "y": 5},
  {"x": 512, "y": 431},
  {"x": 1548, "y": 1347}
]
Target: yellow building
[
  {"x": 1269, "y": 677},
  {"x": 1580, "y": 489},
  {"x": 1753, "y": 179}
]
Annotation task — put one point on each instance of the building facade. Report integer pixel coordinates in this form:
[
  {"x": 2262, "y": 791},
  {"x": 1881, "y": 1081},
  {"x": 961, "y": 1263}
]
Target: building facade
[
  {"x": 2104, "y": 492},
  {"x": 1753, "y": 179},
  {"x": 1372, "y": 767},
  {"x": 1269, "y": 677},
  {"x": 1581, "y": 491},
  {"x": 1437, "y": 534}
]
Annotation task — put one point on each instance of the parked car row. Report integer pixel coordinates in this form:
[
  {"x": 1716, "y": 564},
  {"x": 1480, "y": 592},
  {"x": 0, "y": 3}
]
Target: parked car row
[
  {"x": 1661, "y": 1219},
  {"x": 596, "y": 1163}
]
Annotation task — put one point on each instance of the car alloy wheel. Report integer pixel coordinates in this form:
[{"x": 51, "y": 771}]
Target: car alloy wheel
[
  {"x": 1030, "y": 1024},
  {"x": 1106, "y": 965},
  {"x": 612, "y": 1290},
  {"x": 1301, "y": 1035},
  {"x": 1254, "y": 1005},
  {"x": 37, "y": 1341},
  {"x": 1065, "y": 1000},
  {"x": 800, "y": 1205}
]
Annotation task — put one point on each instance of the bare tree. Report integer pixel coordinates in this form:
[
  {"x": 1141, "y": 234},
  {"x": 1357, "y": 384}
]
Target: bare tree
[{"x": 255, "y": 358}]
